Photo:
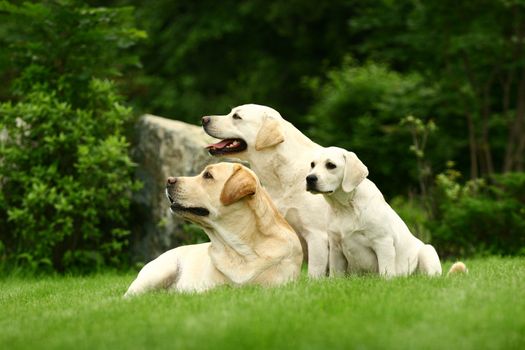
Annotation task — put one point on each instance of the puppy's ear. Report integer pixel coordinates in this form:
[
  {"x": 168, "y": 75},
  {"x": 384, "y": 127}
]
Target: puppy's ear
[
  {"x": 355, "y": 172},
  {"x": 240, "y": 184},
  {"x": 270, "y": 134}
]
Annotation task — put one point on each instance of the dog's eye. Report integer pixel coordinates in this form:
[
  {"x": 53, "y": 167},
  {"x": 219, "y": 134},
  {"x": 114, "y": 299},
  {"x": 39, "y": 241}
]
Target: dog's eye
[
  {"x": 312, "y": 164},
  {"x": 236, "y": 116},
  {"x": 330, "y": 165},
  {"x": 207, "y": 175}
]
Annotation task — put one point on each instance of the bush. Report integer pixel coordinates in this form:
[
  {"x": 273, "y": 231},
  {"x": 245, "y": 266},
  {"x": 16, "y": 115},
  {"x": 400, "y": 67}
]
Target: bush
[
  {"x": 481, "y": 216},
  {"x": 65, "y": 180},
  {"x": 65, "y": 174},
  {"x": 360, "y": 108}
]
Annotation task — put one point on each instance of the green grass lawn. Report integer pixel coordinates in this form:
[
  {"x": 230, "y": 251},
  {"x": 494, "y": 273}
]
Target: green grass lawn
[{"x": 483, "y": 310}]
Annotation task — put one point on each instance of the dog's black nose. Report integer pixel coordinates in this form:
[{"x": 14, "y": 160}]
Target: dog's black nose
[
  {"x": 205, "y": 121},
  {"x": 311, "y": 179},
  {"x": 171, "y": 181}
]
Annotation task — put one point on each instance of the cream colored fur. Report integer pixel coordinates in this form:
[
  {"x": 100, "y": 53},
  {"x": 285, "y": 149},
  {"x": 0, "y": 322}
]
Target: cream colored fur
[
  {"x": 365, "y": 233},
  {"x": 279, "y": 154},
  {"x": 250, "y": 242}
]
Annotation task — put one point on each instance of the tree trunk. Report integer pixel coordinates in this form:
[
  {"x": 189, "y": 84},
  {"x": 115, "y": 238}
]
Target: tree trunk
[
  {"x": 472, "y": 147},
  {"x": 515, "y": 148},
  {"x": 476, "y": 152},
  {"x": 488, "y": 168},
  {"x": 520, "y": 131},
  {"x": 507, "y": 86},
  {"x": 520, "y": 154}
]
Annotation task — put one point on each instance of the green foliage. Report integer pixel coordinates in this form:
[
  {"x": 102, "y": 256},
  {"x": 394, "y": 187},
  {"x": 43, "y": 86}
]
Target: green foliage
[
  {"x": 65, "y": 179},
  {"x": 360, "y": 108},
  {"x": 62, "y": 45},
  {"x": 420, "y": 132},
  {"x": 206, "y": 57},
  {"x": 410, "y": 57},
  {"x": 460, "y": 65},
  {"x": 481, "y": 216},
  {"x": 472, "y": 52}
]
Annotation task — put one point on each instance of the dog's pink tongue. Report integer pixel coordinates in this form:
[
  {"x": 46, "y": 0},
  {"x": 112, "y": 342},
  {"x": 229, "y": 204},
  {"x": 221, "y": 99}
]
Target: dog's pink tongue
[{"x": 220, "y": 144}]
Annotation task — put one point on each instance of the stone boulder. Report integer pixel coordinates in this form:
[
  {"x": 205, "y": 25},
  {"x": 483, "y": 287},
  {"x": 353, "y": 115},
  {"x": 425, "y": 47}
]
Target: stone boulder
[{"x": 163, "y": 148}]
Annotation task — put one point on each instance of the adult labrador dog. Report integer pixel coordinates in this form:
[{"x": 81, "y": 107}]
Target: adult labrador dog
[
  {"x": 365, "y": 233},
  {"x": 250, "y": 242},
  {"x": 279, "y": 154}
]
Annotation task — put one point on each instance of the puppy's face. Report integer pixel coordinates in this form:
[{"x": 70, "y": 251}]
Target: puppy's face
[
  {"x": 211, "y": 195},
  {"x": 334, "y": 168},
  {"x": 245, "y": 128}
]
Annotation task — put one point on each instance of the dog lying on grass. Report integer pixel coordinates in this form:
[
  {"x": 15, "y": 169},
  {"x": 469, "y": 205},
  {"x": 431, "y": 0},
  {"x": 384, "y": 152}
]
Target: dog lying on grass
[
  {"x": 250, "y": 242},
  {"x": 365, "y": 233},
  {"x": 279, "y": 154}
]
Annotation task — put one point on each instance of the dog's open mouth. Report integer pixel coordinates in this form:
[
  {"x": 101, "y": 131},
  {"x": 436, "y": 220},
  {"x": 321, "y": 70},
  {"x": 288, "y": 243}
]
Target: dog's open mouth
[
  {"x": 177, "y": 208},
  {"x": 227, "y": 146},
  {"x": 199, "y": 211}
]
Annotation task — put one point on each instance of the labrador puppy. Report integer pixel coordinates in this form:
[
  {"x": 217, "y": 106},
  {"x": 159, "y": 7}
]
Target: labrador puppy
[
  {"x": 250, "y": 242},
  {"x": 279, "y": 154},
  {"x": 365, "y": 233}
]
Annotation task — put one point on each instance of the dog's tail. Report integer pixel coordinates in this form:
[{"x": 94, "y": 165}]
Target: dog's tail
[{"x": 457, "y": 267}]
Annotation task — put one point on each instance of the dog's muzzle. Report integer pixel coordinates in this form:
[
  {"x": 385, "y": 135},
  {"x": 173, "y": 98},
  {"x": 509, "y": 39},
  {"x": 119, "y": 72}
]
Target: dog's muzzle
[
  {"x": 170, "y": 183},
  {"x": 311, "y": 183},
  {"x": 177, "y": 207}
]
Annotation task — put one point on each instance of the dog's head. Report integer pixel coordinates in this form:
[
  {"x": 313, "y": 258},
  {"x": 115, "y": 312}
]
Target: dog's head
[
  {"x": 247, "y": 126},
  {"x": 334, "y": 168},
  {"x": 213, "y": 194}
]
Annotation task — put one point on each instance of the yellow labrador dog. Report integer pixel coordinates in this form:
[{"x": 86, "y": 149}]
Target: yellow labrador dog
[
  {"x": 279, "y": 154},
  {"x": 250, "y": 242},
  {"x": 365, "y": 233}
]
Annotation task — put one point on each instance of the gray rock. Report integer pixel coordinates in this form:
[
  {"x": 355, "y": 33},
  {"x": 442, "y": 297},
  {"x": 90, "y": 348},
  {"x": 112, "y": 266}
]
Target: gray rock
[{"x": 163, "y": 148}]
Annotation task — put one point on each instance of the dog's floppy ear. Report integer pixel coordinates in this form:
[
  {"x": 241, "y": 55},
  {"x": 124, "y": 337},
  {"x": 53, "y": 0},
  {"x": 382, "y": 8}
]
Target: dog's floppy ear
[
  {"x": 240, "y": 184},
  {"x": 355, "y": 172},
  {"x": 270, "y": 134}
]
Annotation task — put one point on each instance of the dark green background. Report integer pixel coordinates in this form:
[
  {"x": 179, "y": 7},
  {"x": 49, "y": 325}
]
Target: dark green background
[{"x": 345, "y": 72}]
